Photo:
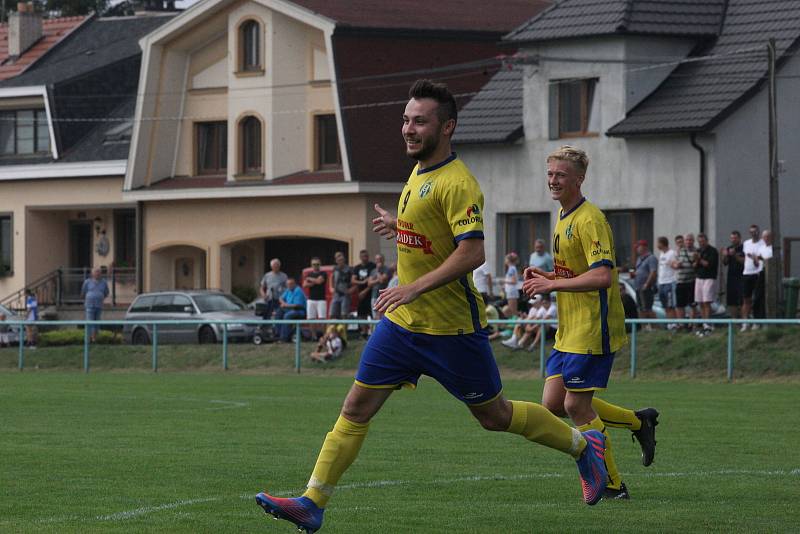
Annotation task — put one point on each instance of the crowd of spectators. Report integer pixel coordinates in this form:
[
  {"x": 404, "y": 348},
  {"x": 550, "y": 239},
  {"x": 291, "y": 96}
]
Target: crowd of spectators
[{"x": 686, "y": 278}]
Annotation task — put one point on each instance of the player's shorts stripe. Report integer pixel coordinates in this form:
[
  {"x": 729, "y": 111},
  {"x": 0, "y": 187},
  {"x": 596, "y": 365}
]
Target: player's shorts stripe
[
  {"x": 473, "y": 304},
  {"x": 604, "y": 321},
  {"x": 475, "y": 234}
]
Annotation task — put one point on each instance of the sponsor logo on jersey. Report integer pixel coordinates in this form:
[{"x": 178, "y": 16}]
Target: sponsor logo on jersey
[
  {"x": 425, "y": 189},
  {"x": 405, "y": 224},
  {"x": 414, "y": 240},
  {"x": 568, "y": 232},
  {"x": 564, "y": 272},
  {"x": 473, "y": 210}
]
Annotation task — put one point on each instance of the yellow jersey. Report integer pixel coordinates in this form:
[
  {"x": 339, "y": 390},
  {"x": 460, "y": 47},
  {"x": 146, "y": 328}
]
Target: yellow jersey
[
  {"x": 589, "y": 322},
  {"x": 439, "y": 206}
]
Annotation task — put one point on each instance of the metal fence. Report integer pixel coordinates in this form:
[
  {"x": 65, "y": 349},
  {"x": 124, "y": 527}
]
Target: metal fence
[{"x": 635, "y": 324}]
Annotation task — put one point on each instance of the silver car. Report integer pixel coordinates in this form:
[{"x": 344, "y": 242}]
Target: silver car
[
  {"x": 11, "y": 331},
  {"x": 196, "y": 305}
]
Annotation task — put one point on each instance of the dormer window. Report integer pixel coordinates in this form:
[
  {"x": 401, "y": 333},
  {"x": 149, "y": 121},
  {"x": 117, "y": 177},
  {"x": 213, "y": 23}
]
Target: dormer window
[
  {"x": 250, "y": 47},
  {"x": 24, "y": 132},
  {"x": 574, "y": 108}
]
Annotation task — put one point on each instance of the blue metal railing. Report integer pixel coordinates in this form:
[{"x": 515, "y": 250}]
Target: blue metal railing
[{"x": 298, "y": 323}]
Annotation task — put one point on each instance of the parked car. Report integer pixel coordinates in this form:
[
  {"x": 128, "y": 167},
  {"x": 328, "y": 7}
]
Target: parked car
[
  {"x": 13, "y": 331},
  {"x": 197, "y": 305}
]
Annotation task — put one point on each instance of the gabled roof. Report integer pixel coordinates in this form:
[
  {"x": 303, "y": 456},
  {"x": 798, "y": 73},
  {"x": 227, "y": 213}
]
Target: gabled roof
[
  {"x": 452, "y": 15},
  {"x": 698, "y": 95},
  {"x": 53, "y": 31},
  {"x": 98, "y": 43},
  {"x": 585, "y": 18},
  {"x": 494, "y": 115}
]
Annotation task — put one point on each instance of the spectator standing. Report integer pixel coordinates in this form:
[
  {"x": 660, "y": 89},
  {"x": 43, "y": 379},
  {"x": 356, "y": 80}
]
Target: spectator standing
[
  {"x": 540, "y": 258},
  {"x": 272, "y": 286},
  {"x": 667, "y": 278},
  {"x": 733, "y": 259},
  {"x": 511, "y": 283},
  {"x": 705, "y": 289},
  {"x": 316, "y": 306},
  {"x": 760, "y": 305},
  {"x": 645, "y": 280},
  {"x": 94, "y": 292},
  {"x": 750, "y": 273},
  {"x": 360, "y": 282},
  {"x": 482, "y": 279},
  {"x": 378, "y": 280},
  {"x": 342, "y": 275},
  {"x": 684, "y": 290},
  {"x": 32, "y": 305},
  {"x": 292, "y": 305}
]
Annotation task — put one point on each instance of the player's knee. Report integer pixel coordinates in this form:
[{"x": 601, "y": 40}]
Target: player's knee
[
  {"x": 493, "y": 422},
  {"x": 496, "y": 417}
]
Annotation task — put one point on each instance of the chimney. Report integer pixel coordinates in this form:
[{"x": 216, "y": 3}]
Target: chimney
[{"x": 24, "y": 29}]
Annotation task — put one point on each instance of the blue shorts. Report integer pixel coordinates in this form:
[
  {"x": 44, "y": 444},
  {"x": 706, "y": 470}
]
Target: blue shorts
[
  {"x": 667, "y": 294},
  {"x": 464, "y": 364},
  {"x": 580, "y": 372}
]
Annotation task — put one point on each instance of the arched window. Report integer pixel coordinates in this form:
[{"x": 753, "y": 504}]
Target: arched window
[
  {"x": 250, "y": 46},
  {"x": 250, "y": 143}
]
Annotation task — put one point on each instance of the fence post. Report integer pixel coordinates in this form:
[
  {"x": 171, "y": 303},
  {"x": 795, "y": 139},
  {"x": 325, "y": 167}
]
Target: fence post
[
  {"x": 85, "y": 347},
  {"x": 633, "y": 350},
  {"x": 59, "y": 288},
  {"x": 730, "y": 352},
  {"x": 542, "y": 336},
  {"x": 113, "y": 286},
  {"x": 225, "y": 346},
  {"x": 21, "y": 346},
  {"x": 297, "y": 337},
  {"x": 155, "y": 347}
]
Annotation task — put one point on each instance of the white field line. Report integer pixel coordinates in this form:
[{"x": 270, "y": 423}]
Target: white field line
[{"x": 145, "y": 510}]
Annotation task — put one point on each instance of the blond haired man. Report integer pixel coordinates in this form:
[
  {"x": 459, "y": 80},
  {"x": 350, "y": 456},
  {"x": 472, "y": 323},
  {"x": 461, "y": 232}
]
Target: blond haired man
[{"x": 591, "y": 319}]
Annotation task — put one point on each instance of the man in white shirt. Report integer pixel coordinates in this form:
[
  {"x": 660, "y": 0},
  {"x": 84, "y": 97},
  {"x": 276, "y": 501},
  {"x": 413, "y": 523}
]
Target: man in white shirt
[
  {"x": 482, "y": 279},
  {"x": 752, "y": 249},
  {"x": 667, "y": 278},
  {"x": 546, "y": 310}
]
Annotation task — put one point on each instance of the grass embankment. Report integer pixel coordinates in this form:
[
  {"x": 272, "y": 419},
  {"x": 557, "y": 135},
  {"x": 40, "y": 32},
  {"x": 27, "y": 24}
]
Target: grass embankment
[{"x": 768, "y": 353}]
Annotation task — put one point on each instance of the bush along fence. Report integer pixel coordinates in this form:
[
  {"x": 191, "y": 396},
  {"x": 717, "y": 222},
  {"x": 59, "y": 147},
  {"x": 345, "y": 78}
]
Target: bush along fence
[{"x": 64, "y": 337}]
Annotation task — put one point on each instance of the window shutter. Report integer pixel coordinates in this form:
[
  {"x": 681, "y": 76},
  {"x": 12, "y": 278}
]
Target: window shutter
[{"x": 553, "y": 111}]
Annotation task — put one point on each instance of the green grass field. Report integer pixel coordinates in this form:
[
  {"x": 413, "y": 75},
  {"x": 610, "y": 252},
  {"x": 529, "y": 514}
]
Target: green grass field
[{"x": 186, "y": 452}]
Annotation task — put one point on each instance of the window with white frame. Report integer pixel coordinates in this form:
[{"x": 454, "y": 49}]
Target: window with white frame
[
  {"x": 250, "y": 47},
  {"x": 24, "y": 132}
]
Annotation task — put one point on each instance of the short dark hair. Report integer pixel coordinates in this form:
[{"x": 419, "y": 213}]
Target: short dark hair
[
  {"x": 440, "y": 93},
  {"x": 736, "y": 233},
  {"x": 663, "y": 241},
  {"x": 679, "y": 237}
]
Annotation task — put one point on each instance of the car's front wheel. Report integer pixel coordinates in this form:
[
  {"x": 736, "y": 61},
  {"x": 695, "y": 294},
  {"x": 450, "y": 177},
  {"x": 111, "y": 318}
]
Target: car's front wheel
[
  {"x": 140, "y": 337},
  {"x": 206, "y": 335}
]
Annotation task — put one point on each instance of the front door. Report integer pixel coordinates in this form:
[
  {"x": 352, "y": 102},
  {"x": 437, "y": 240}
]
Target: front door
[
  {"x": 80, "y": 259},
  {"x": 184, "y": 273}
]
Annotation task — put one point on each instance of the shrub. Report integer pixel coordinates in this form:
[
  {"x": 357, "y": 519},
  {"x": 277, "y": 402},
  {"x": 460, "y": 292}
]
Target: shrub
[
  {"x": 57, "y": 338},
  {"x": 246, "y": 293}
]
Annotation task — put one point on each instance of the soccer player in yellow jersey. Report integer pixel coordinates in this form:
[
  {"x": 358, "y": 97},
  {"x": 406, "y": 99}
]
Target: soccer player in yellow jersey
[
  {"x": 435, "y": 322},
  {"x": 591, "y": 321}
]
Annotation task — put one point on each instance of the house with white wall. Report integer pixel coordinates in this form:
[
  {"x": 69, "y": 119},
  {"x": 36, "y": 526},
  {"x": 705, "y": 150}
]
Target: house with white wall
[{"x": 669, "y": 100}]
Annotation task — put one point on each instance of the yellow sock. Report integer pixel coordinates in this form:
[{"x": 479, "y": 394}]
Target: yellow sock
[
  {"x": 615, "y": 416},
  {"x": 534, "y": 422},
  {"x": 340, "y": 448},
  {"x": 614, "y": 478}
]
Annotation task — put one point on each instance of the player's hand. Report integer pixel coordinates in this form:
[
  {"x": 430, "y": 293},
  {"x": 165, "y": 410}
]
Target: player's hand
[
  {"x": 529, "y": 272},
  {"x": 537, "y": 284},
  {"x": 384, "y": 224},
  {"x": 391, "y": 298}
]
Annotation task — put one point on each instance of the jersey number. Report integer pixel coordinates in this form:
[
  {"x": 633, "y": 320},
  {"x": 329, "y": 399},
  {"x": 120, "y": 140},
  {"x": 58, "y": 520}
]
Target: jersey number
[
  {"x": 405, "y": 201},
  {"x": 556, "y": 239}
]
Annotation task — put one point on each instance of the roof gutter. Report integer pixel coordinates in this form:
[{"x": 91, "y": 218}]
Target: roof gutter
[{"x": 703, "y": 179}]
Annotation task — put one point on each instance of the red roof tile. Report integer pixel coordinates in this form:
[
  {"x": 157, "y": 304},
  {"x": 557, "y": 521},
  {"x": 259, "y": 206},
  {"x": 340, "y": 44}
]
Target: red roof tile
[
  {"x": 53, "y": 31},
  {"x": 202, "y": 182},
  {"x": 458, "y": 15}
]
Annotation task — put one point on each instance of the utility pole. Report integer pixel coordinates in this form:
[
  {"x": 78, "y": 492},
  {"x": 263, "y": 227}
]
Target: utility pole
[{"x": 773, "y": 270}]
